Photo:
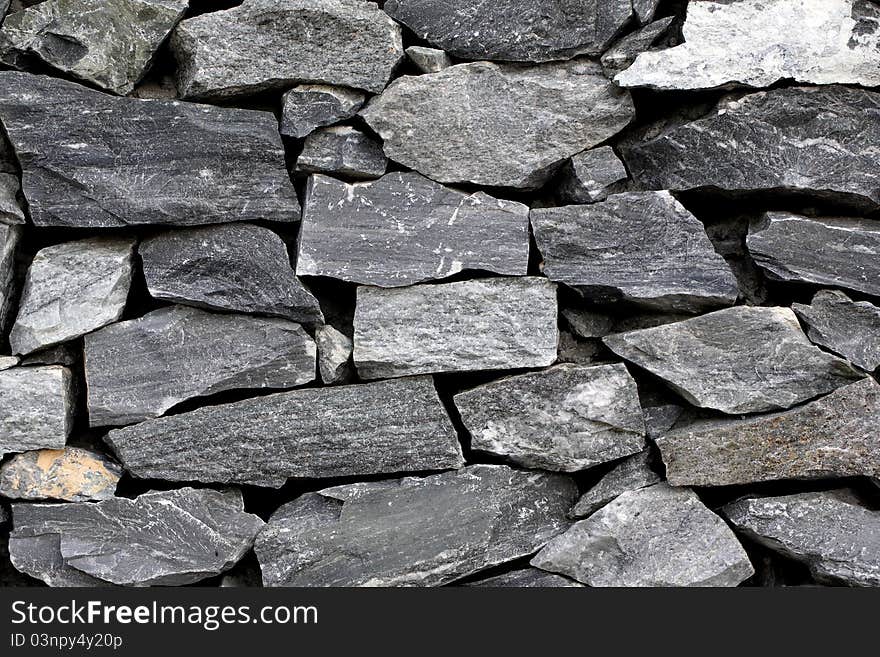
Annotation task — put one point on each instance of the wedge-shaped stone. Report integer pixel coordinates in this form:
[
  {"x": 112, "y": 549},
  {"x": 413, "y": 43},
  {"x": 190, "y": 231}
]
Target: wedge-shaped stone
[
  {"x": 428, "y": 60},
  {"x": 656, "y": 536},
  {"x": 8, "y": 361},
  {"x": 592, "y": 176},
  {"x": 334, "y": 355},
  {"x": 640, "y": 246},
  {"x": 737, "y": 360},
  {"x": 485, "y": 324},
  {"x": 499, "y": 125},
  {"x": 93, "y": 160},
  {"x": 568, "y": 417},
  {"x": 342, "y": 151},
  {"x": 846, "y": 327},
  {"x": 384, "y": 427},
  {"x": 404, "y": 228},
  {"x": 413, "y": 532},
  {"x": 310, "y": 106},
  {"x": 71, "y": 474},
  {"x": 10, "y": 238},
  {"x": 526, "y": 578},
  {"x": 625, "y": 51},
  {"x": 632, "y": 473},
  {"x": 10, "y": 186},
  {"x": 161, "y": 538},
  {"x": 139, "y": 369},
  {"x": 37, "y": 408}
]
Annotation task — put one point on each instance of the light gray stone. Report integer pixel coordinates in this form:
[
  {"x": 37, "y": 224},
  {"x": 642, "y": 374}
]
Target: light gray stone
[
  {"x": 848, "y": 328},
  {"x": 334, "y": 355},
  {"x": 526, "y": 578},
  {"x": 632, "y": 473},
  {"x": 592, "y": 175},
  {"x": 624, "y": 52},
  {"x": 38, "y": 408},
  {"x": 71, "y": 474},
  {"x": 310, "y": 106},
  {"x": 342, "y": 151},
  {"x": 428, "y": 60},
  {"x": 10, "y": 238},
  {"x": 8, "y": 361}
]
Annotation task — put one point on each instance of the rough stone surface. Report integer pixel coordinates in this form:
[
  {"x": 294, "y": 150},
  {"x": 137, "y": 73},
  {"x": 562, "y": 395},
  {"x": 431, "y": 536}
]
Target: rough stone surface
[
  {"x": 625, "y": 51},
  {"x": 632, "y": 473},
  {"x": 513, "y": 125},
  {"x": 848, "y": 328},
  {"x": 736, "y": 360},
  {"x": 413, "y": 532},
  {"x": 38, "y": 408},
  {"x": 8, "y": 361},
  {"x": 71, "y": 474},
  {"x": 487, "y": 324},
  {"x": 656, "y": 536},
  {"x": 428, "y": 60},
  {"x": 526, "y": 578},
  {"x": 404, "y": 229},
  {"x": 592, "y": 175},
  {"x": 10, "y": 187},
  {"x": 93, "y": 160},
  {"x": 384, "y": 427},
  {"x": 68, "y": 354},
  {"x": 10, "y": 238},
  {"x": 310, "y": 106},
  {"x": 565, "y": 418},
  {"x": 645, "y": 9},
  {"x": 342, "y": 151},
  {"x": 334, "y": 355}
]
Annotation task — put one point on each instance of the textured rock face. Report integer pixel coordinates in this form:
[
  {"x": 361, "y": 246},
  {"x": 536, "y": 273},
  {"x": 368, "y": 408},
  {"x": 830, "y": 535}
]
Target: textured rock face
[
  {"x": 109, "y": 43},
  {"x": 404, "y": 229},
  {"x": 838, "y": 539},
  {"x": 592, "y": 175},
  {"x": 342, "y": 151},
  {"x": 267, "y": 44},
  {"x": 388, "y": 533},
  {"x": 129, "y": 161},
  {"x": 334, "y": 354},
  {"x": 750, "y": 42},
  {"x": 384, "y": 427},
  {"x": 160, "y": 538},
  {"x": 237, "y": 267},
  {"x": 656, "y": 536},
  {"x": 501, "y": 323},
  {"x": 71, "y": 474},
  {"x": 640, "y": 246},
  {"x": 37, "y": 405},
  {"x": 428, "y": 60},
  {"x": 737, "y": 360},
  {"x": 10, "y": 187},
  {"x": 71, "y": 289},
  {"x": 632, "y": 473},
  {"x": 526, "y": 578},
  {"x": 310, "y": 106},
  {"x": 566, "y": 418},
  {"x": 8, "y": 361},
  {"x": 513, "y": 125},
  {"x": 141, "y": 368},
  {"x": 625, "y": 51},
  {"x": 846, "y": 327},
  {"x": 10, "y": 237}
]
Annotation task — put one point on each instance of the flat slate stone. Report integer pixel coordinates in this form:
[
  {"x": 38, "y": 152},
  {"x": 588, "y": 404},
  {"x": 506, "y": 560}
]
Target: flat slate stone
[
  {"x": 139, "y": 369},
  {"x": 413, "y": 532},
  {"x": 10, "y": 238},
  {"x": 566, "y": 418},
  {"x": 497, "y": 124},
  {"x": 384, "y": 427},
  {"x": 270, "y": 44},
  {"x": 592, "y": 176},
  {"x": 526, "y": 578},
  {"x": 485, "y": 324},
  {"x": 848, "y": 328},
  {"x": 71, "y": 289},
  {"x": 235, "y": 267},
  {"x": 655, "y": 536},
  {"x": 428, "y": 60},
  {"x": 342, "y": 151},
  {"x": 632, "y": 473},
  {"x": 737, "y": 360},
  {"x": 71, "y": 474},
  {"x": 38, "y": 408},
  {"x": 334, "y": 355},
  {"x": 404, "y": 229},
  {"x": 310, "y": 106},
  {"x": 162, "y": 538},
  {"x": 624, "y": 52},
  {"x": 639, "y": 246},
  {"x": 91, "y": 160}
]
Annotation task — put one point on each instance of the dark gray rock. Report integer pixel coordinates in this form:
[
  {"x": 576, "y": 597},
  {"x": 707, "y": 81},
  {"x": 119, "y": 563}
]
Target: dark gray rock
[
  {"x": 92, "y": 160},
  {"x": 632, "y": 473},
  {"x": 485, "y": 324},
  {"x": 736, "y": 360},
  {"x": 645, "y": 10},
  {"x": 625, "y": 51},
  {"x": 573, "y": 349},
  {"x": 71, "y": 474},
  {"x": 68, "y": 354},
  {"x": 310, "y": 106},
  {"x": 404, "y": 229},
  {"x": 342, "y": 151},
  {"x": 592, "y": 175},
  {"x": 38, "y": 408},
  {"x": 384, "y": 427},
  {"x": 334, "y": 355},
  {"x": 589, "y": 323},
  {"x": 526, "y": 578},
  {"x": 848, "y": 328},
  {"x": 10, "y": 187},
  {"x": 10, "y": 238},
  {"x": 413, "y": 532},
  {"x": 660, "y": 419},
  {"x": 428, "y": 60}
]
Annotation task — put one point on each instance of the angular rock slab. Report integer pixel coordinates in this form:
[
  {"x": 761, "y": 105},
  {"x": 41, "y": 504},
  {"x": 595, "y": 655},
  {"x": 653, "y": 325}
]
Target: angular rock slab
[
  {"x": 38, "y": 408},
  {"x": 161, "y": 538},
  {"x": 632, "y": 473},
  {"x": 625, "y": 51},
  {"x": 404, "y": 229},
  {"x": 109, "y": 43},
  {"x": 71, "y": 289},
  {"x": 848, "y": 328},
  {"x": 656, "y": 536},
  {"x": 10, "y": 238},
  {"x": 139, "y": 369},
  {"x": 269, "y": 44},
  {"x": 71, "y": 474},
  {"x": 752, "y": 43},
  {"x": 784, "y": 246},
  {"x": 342, "y": 151},
  {"x": 736, "y": 360},
  {"x": 485, "y": 324},
  {"x": 566, "y": 418},
  {"x": 92, "y": 160},
  {"x": 498, "y": 125},
  {"x": 526, "y": 578},
  {"x": 837, "y": 538},
  {"x": 428, "y": 60},
  {"x": 10, "y": 187},
  {"x": 639, "y": 246},
  {"x": 413, "y": 532},
  {"x": 334, "y": 354},
  {"x": 384, "y": 427},
  {"x": 592, "y": 176},
  {"x": 310, "y": 106}
]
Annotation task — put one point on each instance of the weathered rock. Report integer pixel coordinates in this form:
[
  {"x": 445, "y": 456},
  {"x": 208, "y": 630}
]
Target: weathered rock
[
  {"x": 404, "y": 228},
  {"x": 837, "y": 538},
  {"x": 71, "y": 289},
  {"x": 645, "y": 10},
  {"x": 736, "y": 360},
  {"x": 237, "y": 267},
  {"x": 139, "y": 369},
  {"x": 784, "y": 246},
  {"x": 384, "y": 427},
  {"x": 92, "y": 160},
  {"x": 625, "y": 51},
  {"x": 270, "y": 44},
  {"x": 591, "y": 176},
  {"x": 846, "y": 327},
  {"x": 342, "y": 151},
  {"x": 39, "y": 556},
  {"x": 589, "y": 323},
  {"x": 10, "y": 237},
  {"x": 68, "y": 354},
  {"x": 71, "y": 474},
  {"x": 565, "y": 418},
  {"x": 413, "y": 532},
  {"x": 160, "y": 538},
  {"x": 572, "y": 349},
  {"x": 38, "y": 408},
  {"x": 486, "y": 324},
  {"x": 639, "y": 246},
  {"x": 334, "y": 355},
  {"x": 513, "y": 125},
  {"x": 526, "y": 578},
  {"x": 310, "y": 106},
  {"x": 655, "y": 536},
  {"x": 632, "y": 473},
  {"x": 428, "y": 60},
  {"x": 660, "y": 419},
  {"x": 10, "y": 208},
  {"x": 752, "y": 43},
  {"x": 109, "y": 43},
  {"x": 8, "y": 361}
]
